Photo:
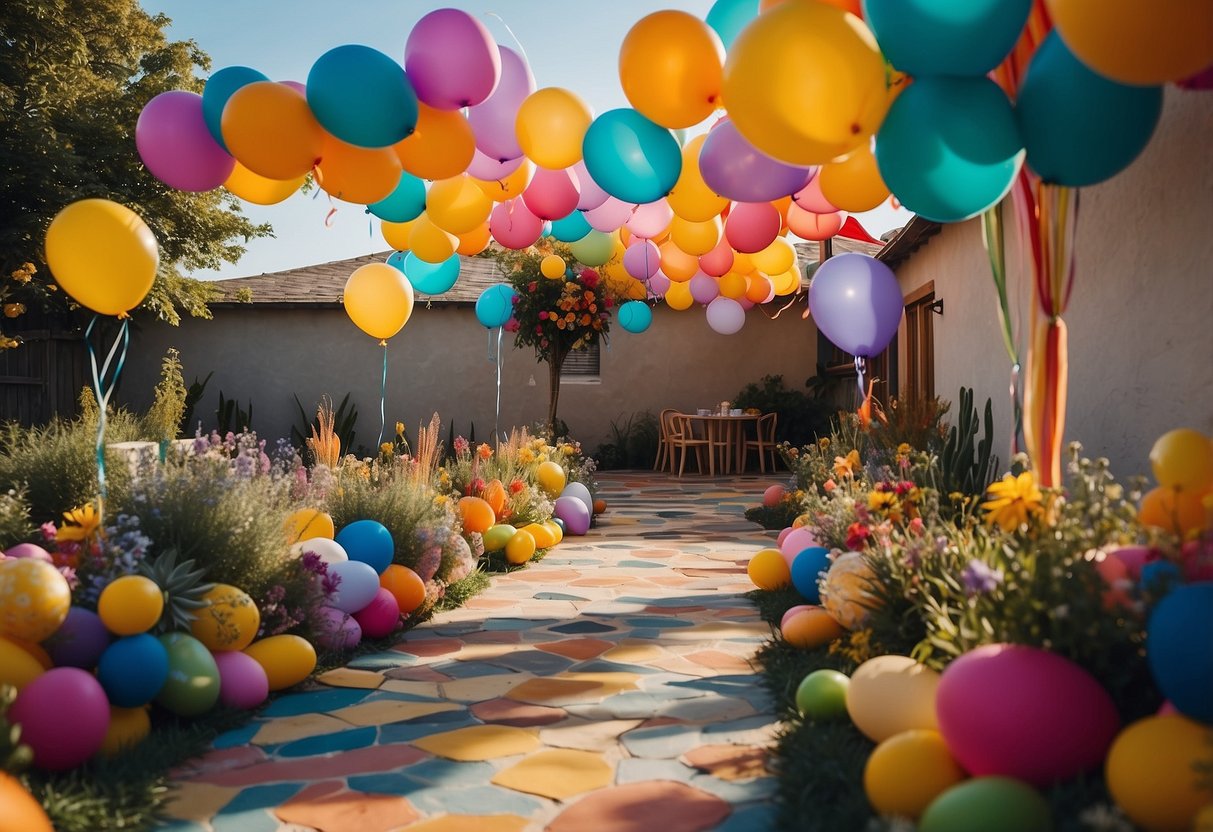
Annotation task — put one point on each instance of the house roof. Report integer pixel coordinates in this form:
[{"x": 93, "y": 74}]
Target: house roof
[{"x": 913, "y": 236}]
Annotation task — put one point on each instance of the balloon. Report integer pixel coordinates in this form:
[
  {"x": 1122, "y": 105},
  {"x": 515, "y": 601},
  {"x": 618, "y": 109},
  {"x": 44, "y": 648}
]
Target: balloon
[
  {"x": 776, "y": 258},
  {"x": 642, "y": 259},
  {"x": 229, "y": 621},
  {"x": 325, "y": 548},
  {"x": 570, "y": 228},
  {"x": 452, "y": 60},
  {"x": 991, "y": 804},
  {"x": 891, "y": 694},
  {"x": 659, "y": 284},
  {"x": 729, "y": 17},
  {"x": 805, "y": 83},
  {"x": 1134, "y": 43},
  {"x": 381, "y": 616},
  {"x": 306, "y": 523},
  {"x": 610, "y": 215},
  {"x": 592, "y": 195},
  {"x": 671, "y": 68},
  {"x": 488, "y": 169},
  {"x": 514, "y": 226},
  {"x": 1178, "y": 512},
  {"x": 544, "y": 537},
  {"x": 697, "y": 238},
  {"x": 286, "y": 659},
  {"x": 812, "y": 226},
  {"x": 752, "y": 226},
  {"x": 1079, "y": 128},
  {"x": 733, "y": 286},
  {"x": 908, "y": 771},
  {"x": 807, "y": 565},
  {"x": 810, "y": 628},
  {"x": 493, "y": 120},
  {"x": 856, "y": 303},
  {"x": 520, "y": 548},
  {"x": 497, "y": 536},
  {"x": 404, "y": 203},
  {"x": 357, "y": 174},
  {"x": 759, "y": 289},
  {"x": 357, "y": 586},
  {"x": 175, "y": 144},
  {"x": 691, "y": 198},
  {"x": 550, "y": 127},
  {"x": 635, "y": 316},
  {"x": 953, "y": 37},
  {"x": 432, "y": 278},
  {"x": 704, "y": 290},
  {"x": 192, "y": 687},
  {"x": 1179, "y": 648},
  {"x": 495, "y": 305},
  {"x": 767, "y": 570},
  {"x": 431, "y": 243},
  {"x": 130, "y": 604},
  {"x": 734, "y": 168},
  {"x": 511, "y": 186},
  {"x": 811, "y": 199},
  {"x": 133, "y": 670},
  {"x": 934, "y": 159},
  {"x": 474, "y": 241},
  {"x": 127, "y": 728},
  {"x": 368, "y": 541},
  {"x": 257, "y": 189},
  {"x": 593, "y": 249},
  {"x": 551, "y": 477},
  {"x": 719, "y": 260},
  {"x": 441, "y": 146},
  {"x": 405, "y": 585},
  {"x": 552, "y": 194},
  {"x": 822, "y": 695},
  {"x": 650, "y": 219},
  {"x": 1183, "y": 459},
  {"x": 219, "y": 88},
  {"x": 457, "y": 205},
  {"x": 242, "y": 681},
  {"x": 18, "y": 667},
  {"x": 630, "y": 157},
  {"x": 1150, "y": 770},
  {"x": 553, "y": 267},
  {"x": 676, "y": 264},
  {"x": 102, "y": 254},
  {"x": 852, "y": 183},
  {"x": 362, "y": 96},
  {"x": 270, "y": 130},
  {"x": 573, "y": 513},
  {"x": 63, "y": 716},
  {"x": 378, "y": 299},
  {"x": 79, "y": 641}
]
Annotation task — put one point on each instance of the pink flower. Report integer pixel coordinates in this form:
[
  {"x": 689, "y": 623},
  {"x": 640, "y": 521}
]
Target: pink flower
[{"x": 916, "y": 526}]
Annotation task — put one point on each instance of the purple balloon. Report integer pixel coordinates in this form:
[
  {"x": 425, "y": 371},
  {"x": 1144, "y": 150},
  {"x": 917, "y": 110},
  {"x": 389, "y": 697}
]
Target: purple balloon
[
  {"x": 650, "y": 219},
  {"x": 856, "y": 303},
  {"x": 488, "y": 169},
  {"x": 176, "y": 146},
  {"x": 513, "y": 225},
  {"x": 704, "y": 289},
  {"x": 242, "y": 680},
  {"x": 452, "y": 60},
  {"x": 610, "y": 215},
  {"x": 492, "y": 122},
  {"x": 28, "y": 550},
  {"x": 335, "y": 629},
  {"x": 79, "y": 641},
  {"x": 734, "y": 168},
  {"x": 575, "y": 515},
  {"x": 359, "y": 583},
  {"x": 591, "y": 195},
  {"x": 726, "y": 316},
  {"x": 659, "y": 284},
  {"x": 297, "y": 86},
  {"x": 642, "y": 259},
  {"x": 552, "y": 194}
]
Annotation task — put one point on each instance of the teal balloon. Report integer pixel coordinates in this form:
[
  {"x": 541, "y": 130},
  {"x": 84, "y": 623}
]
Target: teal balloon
[
  {"x": 729, "y": 17},
  {"x": 495, "y": 305},
  {"x": 594, "y": 248},
  {"x": 362, "y": 96},
  {"x": 946, "y": 37},
  {"x": 1080, "y": 128},
  {"x": 403, "y": 204},
  {"x": 192, "y": 687},
  {"x": 631, "y": 157},
  {"x": 949, "y": 147},
  {"x": 431, "y": 278},
  {"x": 219, "y": 88},
  {"x": 635, "y": 316},
  {"x": 571, "y": 228},
  {"x": 991, "y": 804}
]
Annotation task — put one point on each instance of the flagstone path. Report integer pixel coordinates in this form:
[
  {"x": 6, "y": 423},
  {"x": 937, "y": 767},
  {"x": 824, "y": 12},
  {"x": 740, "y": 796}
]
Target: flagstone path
[{"x": 606, "y": 688}]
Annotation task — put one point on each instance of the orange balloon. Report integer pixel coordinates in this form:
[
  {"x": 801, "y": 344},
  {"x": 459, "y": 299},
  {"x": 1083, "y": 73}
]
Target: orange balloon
[
  {"x": 678, "y": 296},
  {"x": 853, "y": 6},
  {"x": 733, "y": 285},
  {"x": 811, "y": 628},
  {"x": 268, "y": 127},
  {"x": 696, "y": 238},
  {"x": 691, "y": 198},
  {"x": 742, "y": 263},
  {"x": 22, "y": 813},
  {"x": 474, "y": 241},
  {"x": 759, "y": 289},
  {"x": 477, "y": 515},
  {"x": 1178, "y": 512},
  {"x": 457, "y": 205},
  {"x": 441, "y": 146},
  {"x": 501, "y": 190},
  {"x": 397, "y": 234},
  {"x": 810, "y": 226},
  {"x": 671, "y": 65},
  {"x": 429, "y": 242},
  {"x": 357, "y": 174},
  {"x": 676, "y": 264},
  {"x": 257, "y": 189},
  {"x": 854, "y": 183},
  {"x": 405, "y": 585}
]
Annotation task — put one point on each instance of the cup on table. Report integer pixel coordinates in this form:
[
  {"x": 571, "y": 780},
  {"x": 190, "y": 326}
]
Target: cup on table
[
  {"x": 735, "y": 411},
  {"x": 703, "y": 411}
]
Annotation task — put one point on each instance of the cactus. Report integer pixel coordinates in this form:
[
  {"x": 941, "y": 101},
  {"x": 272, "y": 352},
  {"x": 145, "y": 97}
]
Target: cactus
[{"x": 961, "y": 471}]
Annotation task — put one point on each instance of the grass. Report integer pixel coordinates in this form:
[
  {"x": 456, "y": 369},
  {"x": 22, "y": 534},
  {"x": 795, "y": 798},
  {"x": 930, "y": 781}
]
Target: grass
[{"x": 775, "y": 518}]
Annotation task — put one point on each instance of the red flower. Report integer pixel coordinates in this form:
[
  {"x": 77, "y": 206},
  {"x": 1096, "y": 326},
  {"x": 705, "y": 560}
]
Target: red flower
[
  {"x": 532, "y": 286},
  {"x": 543, "y": 314},
  {"x": 516, "y": 485},
  {"x": 857, "y": 536}
]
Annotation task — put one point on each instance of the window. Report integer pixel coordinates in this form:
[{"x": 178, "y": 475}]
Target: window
[
  {"x": 919, "y": 378},
  {"x": 583, "y": 366}
]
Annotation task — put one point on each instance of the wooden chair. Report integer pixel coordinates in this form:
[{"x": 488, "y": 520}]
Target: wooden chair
[
  {"x": 664, "y": 457},
  {"x": 682, "y": 439},
  {"x": 764, "y": 441}
]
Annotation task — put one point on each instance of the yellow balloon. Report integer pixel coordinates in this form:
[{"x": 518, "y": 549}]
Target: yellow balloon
[
  {"x": 229, "y": 621},
  {"x": 776, "y": 258},
  {"x": 286, "y": 659},
  {"x": 1134, "y": 42},
  {"x": 671, "y": 64},
  {"x": 551, "y": 477},
  {"x": 1183, "y": 459},
  {"x": 909, "y": 770},
  {"x": 356, "y": 174},
  {"x": 103, "y": 255},
  {"x": 379, "y": 300},
  {"x": 429, "y": 242},
  {"x": 768, "y": 570},
  {"x": 474, "y": 241},
  {"x": 270, "y": 130},
  {"x": 307, "y": 523},
  {"x": 520, "y": 548},
  {"x": 678, "y": 296},
  {"x": 552, "y": 266},
  {"x": 805, "y": 83},
  {"x": 550, "y": 126},
  {"x": 676, "y": 264},
  {"x": 130, "y": 605},
  {"x": 1150, "y": 774},
  {"x": 733, "y": 285},
  {"x": 441, "y": 146},
  {"x": 786, "y": 283},
  {"x": 127, "y": 728},
  {"x": 742, "y": 263},
  {"x": 501, "y": 190},
  {"x": 891, "y": 694},
  {"x": 457, "y": 205},
  {"x": 691, "y": 198},
  {"x": 544, "y": 539},
  {"x": 556, "y": 532},
  {"x": 397, "y": 234},
  {"x": 17, "y": 666},
  {"x": 696, "y": 238},
  {"x": 252, "y": 187},
  {"x": 854, "y": 183}
]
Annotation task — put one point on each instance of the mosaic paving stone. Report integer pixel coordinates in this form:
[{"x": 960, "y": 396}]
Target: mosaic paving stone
[
  {"x": 481, "y": 688},
  {"x": 587, "y": 734},
  {"x": 198, "y": 800},
  {"x": 443, "y": 799},
  {"x": 345, "y": 677},
  {"x": 728, "y": 762},
  {"x": 288, "y": 729},
  {"x": 471, "y": 823},
  {"x": 557, "y": 774},
  {"x": 347, "y": 810},
  {"x": 316, "y": 701},
  {"x": 440, "y": 772},
  {"x": 482, "y": 742},
  {"x": 579, "y": 627},
  {"x": 327, "y": 743},
  {"x": 577, "y": 648},
  {"x": 385, "y": 711},
  {"x": 518, "y": 714},
  {"x": 359, "y": 761},
  {"x": 640, "y": 807}
]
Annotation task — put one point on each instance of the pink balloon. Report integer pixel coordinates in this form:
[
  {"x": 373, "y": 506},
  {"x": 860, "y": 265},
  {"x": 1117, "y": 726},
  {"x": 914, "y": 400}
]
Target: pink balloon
[
  {"x": 176, "y": 146},
  {"x": 659, "y": 284},
  {"x": 642, "y": 259},
  {"x": 552, "y": 194},
  {"x": 796, "y": 542},
  {"x": 704, "y": 289},
  {"x": 752, "y": 226},
  {"x": 335, "y": 629},
  {"x": 725, "y": 316},
  {"x": 380, "y": 617},
  {"x": 452, "y": 61},
  {"x": 799, "y": 608},
  {"x": 1134, "y": 558},
  {"x": 242, "y": 680},
  {"x": 719, "y": 260},
  {"x": 746, "y": 303},
  {"x": 650, "y": 219},
  {"x": 772, "y": 495},
  {"x": 28, "y": 550},
  {"x": 610, "y": 215},
  {"x": 64, "y": 715},
  {"x": 592, "y": 196},
  {"x": 297, "y": 86},
  {"x": 513, "y": 225},
  {"x": 783, "y": 535},
  {"x": 488, "y": 169},
  {"x": 812, "y": 226},
  {"x": 810, "y": 198},
  {"x": 493, "y": 120}
]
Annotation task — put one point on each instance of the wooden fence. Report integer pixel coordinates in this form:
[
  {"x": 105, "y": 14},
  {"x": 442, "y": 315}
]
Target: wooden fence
[{"x": 43, "y": 377}]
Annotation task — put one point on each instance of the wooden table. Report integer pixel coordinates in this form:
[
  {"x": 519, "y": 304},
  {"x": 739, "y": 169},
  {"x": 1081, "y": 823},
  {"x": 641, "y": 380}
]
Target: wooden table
[{"x": 728, "y": 434}]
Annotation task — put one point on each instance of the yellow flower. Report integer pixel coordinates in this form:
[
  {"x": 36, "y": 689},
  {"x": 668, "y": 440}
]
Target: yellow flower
[
  {"x": 386, "y": 448},
  {"x": 440, "y": 500},
  {"x": 904, "y": 449},
  {"x": 566, "y": 449},
  {"x": 881, "y": 500},
  {"x": 82, "y": 523},
  {"x": 846, "y": 466},
  {"x": 400, "y": 428},
  {"x": 1015, "y": 500},
  {"x": 823, "y": 442},
  {"x": 13, "y": 310},
  {"x": 526, "y": 455}
]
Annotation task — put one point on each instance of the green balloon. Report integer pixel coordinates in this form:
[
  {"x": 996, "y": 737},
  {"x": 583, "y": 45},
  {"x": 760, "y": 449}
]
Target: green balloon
[
  {"x": 594, "y": 248},
  {"x": 991, "y": 804},
  {"x": 497, "y": 536},
  {"x": 822, "y": 695},
  {"x": 193, "y": 677}
]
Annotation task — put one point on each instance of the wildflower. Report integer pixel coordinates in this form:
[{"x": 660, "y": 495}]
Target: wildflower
[
  {"x": 526, "y": 456},
  {"x": 461, "y": 445},
  {"x": 846, "y": 466},
  {"x": 386, "y": 448},
  {"x": 48, "y": 530},
  {"x": 516, "y": 486},
  {"x": 857, "y": 536},
  {"x": 829, "y": 485},
  {"x": 13, "y": 310},
  {"x": 483, "y": 450},
  {"x": 881, "y": 500},
  {"x": 823, "y": 442},
  {"x": 1014, "y": 501},
  {"x": 916, "y": 526},
  {"x": 400, "y": 428},
  {"x": 979, "y": 578},
  {"x": 476, "y": 486},
  {"x": 81, "y": 523},
  {"x": 904, "y": 449}
]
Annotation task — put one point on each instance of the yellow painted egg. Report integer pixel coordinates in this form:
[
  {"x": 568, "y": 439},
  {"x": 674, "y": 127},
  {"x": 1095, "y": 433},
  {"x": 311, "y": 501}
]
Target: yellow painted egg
[
  {"x": 128, "y": 727},
  {"x": 34, "y": 598},
  {"x": 130, "y": 605},
  {"x": 286, "y": 659},
  {"x": 230, "y": 622}
]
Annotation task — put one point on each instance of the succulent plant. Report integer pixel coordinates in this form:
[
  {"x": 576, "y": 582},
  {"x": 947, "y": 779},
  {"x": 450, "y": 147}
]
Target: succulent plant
[{"x": 183, "y": 587}]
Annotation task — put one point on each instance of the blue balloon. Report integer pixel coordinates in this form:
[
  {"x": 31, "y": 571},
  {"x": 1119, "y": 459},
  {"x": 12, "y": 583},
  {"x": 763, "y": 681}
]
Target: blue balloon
[
  {"x": 1159, "y": 577},
  {"x": 368, "y": 541},
  {"x": 495, "y": 305},
  {"x": 946, "y": 37},
  {"x": 1079, "y": 127},
  {"x": 856, "y": 303},
  {"x": 949, "y": 147},
  {"x": 572, "y": 228},
  {"x": 362, "y": 96},
  {"x": 403, "y": 204},
  {"x": 806, "y": 567},
  {"x": 729, "y": 17},
  {"x": 431, "y": 278},
  {"x": 219, "y": 88},
  {"x": 1179, "y": 649},
  {"x": 635, "y": 316},
  {"x": 133, "y": 670},
  {"x": 631, "y": 157}
]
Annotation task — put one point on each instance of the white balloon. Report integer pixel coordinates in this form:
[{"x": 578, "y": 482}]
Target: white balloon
[
  {"x": 330, "y": 551},
  {"x": 578, "y": 490},
  {"x": 726, "y": 316}
]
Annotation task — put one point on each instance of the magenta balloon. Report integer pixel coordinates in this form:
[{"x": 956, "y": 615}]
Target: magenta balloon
[
  {"x": 610, "y": 215},
  {"x": 513, "y": 225},
  {"x": 746, "y": 303},
  {"x": 810, "y": 198},
  {"x": 64, "y": 716},
  {"x": 752, "y": 226},
  {"x": 659, "y": 284},
  {"x": 650, "y": 219},
  {"x": 242, "y": 681},
  {"x": 552, "y": 194},
  {"x": 704, "y": 289},
  {"x": 488, "y": 169},
  {"x": 452, "y": 61},
  {"x": 719, "y": 260},
  {"x": 641, "y": 259},
  {"x": 734, "y": 168},
  {"x": 493, "y": 120},
  {"x": 726, "y": 316},
  {"x": 381, "y": 617},
  {"x": 592, "y": 196},
  {"x": 176, "y": 146}
]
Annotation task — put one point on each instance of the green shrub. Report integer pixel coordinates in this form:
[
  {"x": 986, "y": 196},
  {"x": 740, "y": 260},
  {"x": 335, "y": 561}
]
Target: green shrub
[
  {"x": 163, "y": 419},
  {"x": 802, "y": 418},
  {"x": 15, "y": 524},
  {"x": 632, "y": 445}
]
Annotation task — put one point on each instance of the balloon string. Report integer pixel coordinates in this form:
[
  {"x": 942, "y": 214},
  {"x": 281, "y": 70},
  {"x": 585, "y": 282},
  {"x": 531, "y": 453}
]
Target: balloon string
[
  {"x": 497, "y": 412},
  {"x": 1016, "y": 410},
  {"x": 859, "y": 370},
  {"x": 103, "y": 394},
  {"x": 382, "y": 396},
  {"x": 517, "y": 42}
]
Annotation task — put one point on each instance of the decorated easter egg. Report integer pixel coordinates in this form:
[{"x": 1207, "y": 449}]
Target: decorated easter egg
[
  {"x": 497, "y": 536},
  {"x": 848, "y": 591},
  {"x": 132, "y": 670},
  {"x": 381, "y": 616},
  {"x": 242, "y": 680},
  {"x": 17, "y": 666},
  {"x": 405, "y": 585},
  {"x": 79, "y": 641},
  {"x": 307, "y": 523},
  {"x": 192, "y": 686},
  {"x": 822, "y": 695},
  {"x": 551, "y": 478},
  {"x": 229, "y": 621},
  {"x": 335, "y": 629},
  {"x": 34, "y": 598},
  {"x": 909, "y": 770},
  {"x": 130, "y": 605},
  {"x": 768, "y": 570},
  {"x": 1179, "y": 649},
  {"x": 21, "y": 812},
  {"x": 127, "y": 728},
  {"x": 811, "y": 628},
  {"x": 368, "y": 541},
  {"x": 892, "y": 694},
  {"x": 63, "y": 716}
]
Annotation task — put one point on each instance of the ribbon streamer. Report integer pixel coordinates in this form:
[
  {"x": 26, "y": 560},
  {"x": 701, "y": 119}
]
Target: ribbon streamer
[
  {"x": 382, "y": 397},
  {"x": 497, "y": 360},
  {"x": 103, "y": 393},
  {"x": 993, "y": 231}
]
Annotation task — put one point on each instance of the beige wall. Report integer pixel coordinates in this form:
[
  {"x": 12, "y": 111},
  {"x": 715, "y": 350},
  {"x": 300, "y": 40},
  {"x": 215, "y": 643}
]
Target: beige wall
[
  {"x": 440, "y": 362},
  {"x": 1141, "y": 316}
]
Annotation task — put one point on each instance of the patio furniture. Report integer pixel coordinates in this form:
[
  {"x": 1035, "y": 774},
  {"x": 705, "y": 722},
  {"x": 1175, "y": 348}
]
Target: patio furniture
[
  {"x": 763, "y": 443},
  {"x": 664, "y": 456},
  {"x": 724, "y": 437},
  {"x": 682, "y": 439}
]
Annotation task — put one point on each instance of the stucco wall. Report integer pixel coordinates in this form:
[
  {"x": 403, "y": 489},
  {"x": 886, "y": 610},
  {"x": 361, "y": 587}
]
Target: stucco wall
[
  {"x": 1141, "y": 317},
  {"x": 440, "y": 362}
]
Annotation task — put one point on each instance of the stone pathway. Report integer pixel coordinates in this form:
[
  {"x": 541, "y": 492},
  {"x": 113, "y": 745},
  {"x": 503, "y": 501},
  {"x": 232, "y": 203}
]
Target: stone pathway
[{"x": 607, "y": 688}]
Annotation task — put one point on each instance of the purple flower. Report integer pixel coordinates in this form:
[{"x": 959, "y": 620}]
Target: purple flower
[
  {"x": 330, "y": 582},
  {"x": 979, "y": 578},
  {"x": 48, "y": 531},
  {"x": 312, "y": 563}
]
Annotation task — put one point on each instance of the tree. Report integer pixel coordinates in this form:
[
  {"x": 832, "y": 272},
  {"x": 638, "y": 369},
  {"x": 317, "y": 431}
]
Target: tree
[{"x": 74, "y": 75}]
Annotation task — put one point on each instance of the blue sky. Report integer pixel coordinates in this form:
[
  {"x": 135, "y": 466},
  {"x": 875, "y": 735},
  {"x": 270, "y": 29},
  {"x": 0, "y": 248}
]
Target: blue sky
[{"x": 570, "y": 45}]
